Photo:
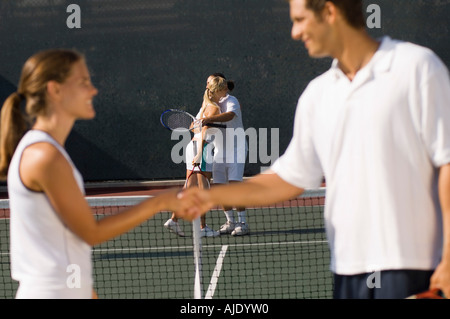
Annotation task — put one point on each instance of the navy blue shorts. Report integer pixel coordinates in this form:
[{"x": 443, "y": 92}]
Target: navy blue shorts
[{"x": 392, "y": 284}]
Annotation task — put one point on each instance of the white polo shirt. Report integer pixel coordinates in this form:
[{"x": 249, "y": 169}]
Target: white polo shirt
[
  {"x": 233, "y": 147},
  {"x": 378, "y": 140}
]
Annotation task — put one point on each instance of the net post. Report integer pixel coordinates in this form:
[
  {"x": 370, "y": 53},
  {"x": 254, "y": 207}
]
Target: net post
[{"x": 198, "y": 291}]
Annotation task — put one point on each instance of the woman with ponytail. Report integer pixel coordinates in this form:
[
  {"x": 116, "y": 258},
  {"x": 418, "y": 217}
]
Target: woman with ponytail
[
  {"x": 52, "y": 226},
  {"x": 201, "y": 150}
]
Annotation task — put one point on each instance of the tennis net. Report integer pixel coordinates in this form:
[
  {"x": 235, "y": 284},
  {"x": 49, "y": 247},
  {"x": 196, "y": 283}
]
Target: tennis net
[{"x": 285, "y": 255}]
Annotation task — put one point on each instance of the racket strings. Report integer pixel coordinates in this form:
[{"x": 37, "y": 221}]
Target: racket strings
[
  {"x": 176, "y": 120},
  {"x": 203, "y": 182}
]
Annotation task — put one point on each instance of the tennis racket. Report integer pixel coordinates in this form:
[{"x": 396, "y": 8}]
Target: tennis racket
[
  {"x": 197, "y": 178},
  {"x": 179, "y": 120},
  {"x": 430, "y": 294}
]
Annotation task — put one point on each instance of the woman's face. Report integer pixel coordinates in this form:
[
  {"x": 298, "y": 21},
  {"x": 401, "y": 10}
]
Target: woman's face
[
  {"x": 208, "y": 81},
  {"x": 213, "y": 93},
  {"x": 77, "y": 92},
  {"x": 215, "y": 96}
]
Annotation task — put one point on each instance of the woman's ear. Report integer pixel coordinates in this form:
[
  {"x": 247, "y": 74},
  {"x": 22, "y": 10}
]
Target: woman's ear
[{"x": 53, "y": 90}]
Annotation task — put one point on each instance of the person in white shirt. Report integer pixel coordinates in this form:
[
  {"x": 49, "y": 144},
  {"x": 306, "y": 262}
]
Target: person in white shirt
[
  {"x": 377, "y": 127},
  {"x": 231, "y": 152},
  {"x": 52, "y": 227}
]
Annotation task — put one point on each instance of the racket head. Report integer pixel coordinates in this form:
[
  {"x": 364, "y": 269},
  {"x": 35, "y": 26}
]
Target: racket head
[
  {"x": 190, "y": 179},
  {"x": 178, "y": 120},
  {"x": 203, "y": 181},
  {"x": 429, "y": 294},
  {"x": 197, "y": 178}
]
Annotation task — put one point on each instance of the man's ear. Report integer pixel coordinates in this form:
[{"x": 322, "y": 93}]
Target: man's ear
[{"x": 330, "y": 12}]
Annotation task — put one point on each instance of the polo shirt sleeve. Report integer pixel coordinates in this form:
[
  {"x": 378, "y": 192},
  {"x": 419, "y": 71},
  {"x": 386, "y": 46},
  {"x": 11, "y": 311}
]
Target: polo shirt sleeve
[
  {"x": 435, "y": 101},
  {"x": 300, "y": 165},
  {"x": 232, "y": 105}
]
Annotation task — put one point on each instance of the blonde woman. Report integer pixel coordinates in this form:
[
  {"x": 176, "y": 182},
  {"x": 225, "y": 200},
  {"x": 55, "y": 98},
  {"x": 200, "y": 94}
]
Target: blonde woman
[
  {"x": 201, "y": 151},
  {"x": 52, "y": 226}
]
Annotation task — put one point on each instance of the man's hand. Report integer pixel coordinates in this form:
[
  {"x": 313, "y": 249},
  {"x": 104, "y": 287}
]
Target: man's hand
[
  {"x": 194, "y": 202},
  {"x": 441, "y": 279}
]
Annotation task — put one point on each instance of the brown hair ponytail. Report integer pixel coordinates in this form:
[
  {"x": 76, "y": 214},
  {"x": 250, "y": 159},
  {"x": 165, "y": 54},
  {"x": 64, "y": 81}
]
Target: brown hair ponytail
[{"x": 12, "y": 127}]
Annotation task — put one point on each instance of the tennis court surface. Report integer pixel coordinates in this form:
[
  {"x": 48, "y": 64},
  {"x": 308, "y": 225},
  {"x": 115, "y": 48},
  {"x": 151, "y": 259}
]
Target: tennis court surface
[{"x": 285, "y": 256}]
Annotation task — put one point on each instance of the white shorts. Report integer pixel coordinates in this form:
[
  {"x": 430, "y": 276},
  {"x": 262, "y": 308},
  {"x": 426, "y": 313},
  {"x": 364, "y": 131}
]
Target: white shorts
[
  {"x": 229, "y": 169},
  {"x": 226, "y": 172},
  {"x": 206, "y": 163}
]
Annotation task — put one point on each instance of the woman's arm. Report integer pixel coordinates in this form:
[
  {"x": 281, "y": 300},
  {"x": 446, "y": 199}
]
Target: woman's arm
[
  {"x": 44, "y": 168},
  {"x": 210, "y": 110}
]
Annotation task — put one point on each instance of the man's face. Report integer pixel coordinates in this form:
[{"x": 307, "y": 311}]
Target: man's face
[{"x": 309, "y": 28}]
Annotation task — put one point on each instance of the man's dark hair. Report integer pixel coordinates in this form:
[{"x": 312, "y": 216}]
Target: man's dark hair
[{"x": 351, "y": 9}]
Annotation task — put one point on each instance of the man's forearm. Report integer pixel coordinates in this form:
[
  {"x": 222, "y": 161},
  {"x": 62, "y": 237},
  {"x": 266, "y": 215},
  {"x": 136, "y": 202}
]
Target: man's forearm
[
  {"x": 263, "y": 189},
  {"x": 444, "y": 197},
  {"x": 224, "y": 117}
]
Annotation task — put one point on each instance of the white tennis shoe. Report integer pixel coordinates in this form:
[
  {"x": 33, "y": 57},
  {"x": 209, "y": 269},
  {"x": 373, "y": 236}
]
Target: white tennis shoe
[
  {"x": 174, "y": 227},
  {"x": 227, "y": 228},
  {"x": 208, "y": 232},
  {"x": 241, "y": 230}
]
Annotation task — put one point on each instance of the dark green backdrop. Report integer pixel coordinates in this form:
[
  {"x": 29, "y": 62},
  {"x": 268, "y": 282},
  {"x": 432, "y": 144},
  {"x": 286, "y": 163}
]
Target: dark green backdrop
[{"x": 149, "y": 55}]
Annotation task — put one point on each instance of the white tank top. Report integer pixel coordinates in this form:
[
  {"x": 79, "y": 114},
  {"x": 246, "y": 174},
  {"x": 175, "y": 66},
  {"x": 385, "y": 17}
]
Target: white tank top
[{"x": 46, "y": 257}]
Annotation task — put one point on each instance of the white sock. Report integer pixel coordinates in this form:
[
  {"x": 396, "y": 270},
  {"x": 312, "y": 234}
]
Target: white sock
[
  {"x": 241, "y": 216},
  {"x": 230, "y": 216}
]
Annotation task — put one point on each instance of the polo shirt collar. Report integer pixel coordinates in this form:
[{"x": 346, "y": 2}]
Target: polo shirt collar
[
  {"x": 380, "y": 63},
  {"x": 224, "y": 98}
]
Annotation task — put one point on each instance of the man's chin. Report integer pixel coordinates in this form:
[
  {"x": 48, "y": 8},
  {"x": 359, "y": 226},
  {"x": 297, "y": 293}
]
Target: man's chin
[{"x": 317, "y": 54}]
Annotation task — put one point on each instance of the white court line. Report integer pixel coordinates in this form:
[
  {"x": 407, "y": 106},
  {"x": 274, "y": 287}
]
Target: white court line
[{"x": 216, "y": 273}]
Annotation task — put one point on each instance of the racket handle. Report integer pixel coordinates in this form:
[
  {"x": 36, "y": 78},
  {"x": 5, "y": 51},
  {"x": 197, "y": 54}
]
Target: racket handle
[{"x": 430, "y": 294}]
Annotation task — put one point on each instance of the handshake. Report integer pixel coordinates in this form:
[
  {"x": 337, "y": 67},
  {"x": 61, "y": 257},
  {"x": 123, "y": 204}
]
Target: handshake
[
  {"x": 189, "y": 204},
  {"x": 262, "y": 189}
]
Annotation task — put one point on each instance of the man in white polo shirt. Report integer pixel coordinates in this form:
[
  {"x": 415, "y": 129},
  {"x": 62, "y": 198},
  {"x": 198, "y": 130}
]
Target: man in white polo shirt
[
  {"x": 230, "y": 154},
  {"x": 377, "y": 126}
]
